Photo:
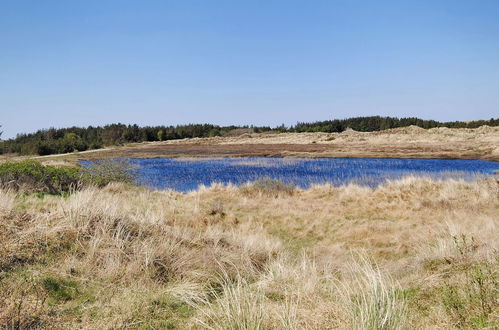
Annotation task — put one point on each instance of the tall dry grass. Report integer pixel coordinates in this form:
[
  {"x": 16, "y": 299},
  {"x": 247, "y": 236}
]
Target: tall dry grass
[
  {"x": 233, "y": 305},
  {"x": 372, "y": 298},
  {"x": 124, "y": 257}
]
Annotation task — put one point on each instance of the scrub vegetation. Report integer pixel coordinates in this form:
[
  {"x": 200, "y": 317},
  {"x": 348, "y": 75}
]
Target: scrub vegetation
[
  {"x": 412, "y": 253},
  {"x": 32, "y": 176}
]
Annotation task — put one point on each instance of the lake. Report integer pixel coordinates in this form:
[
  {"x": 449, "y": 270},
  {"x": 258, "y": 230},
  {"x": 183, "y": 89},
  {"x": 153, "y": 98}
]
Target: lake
[{"x": 184, "y": 175}]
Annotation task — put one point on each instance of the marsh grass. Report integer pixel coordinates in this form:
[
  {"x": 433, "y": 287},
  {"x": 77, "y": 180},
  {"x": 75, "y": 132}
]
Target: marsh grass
[
  {"x": 267, "y": 162},
  {"x": 269, "y": 187},
  {"x": 102, "y": 172}
]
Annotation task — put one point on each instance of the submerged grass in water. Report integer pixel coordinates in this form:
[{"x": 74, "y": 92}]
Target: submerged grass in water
[{"x": 188, "y": 174}]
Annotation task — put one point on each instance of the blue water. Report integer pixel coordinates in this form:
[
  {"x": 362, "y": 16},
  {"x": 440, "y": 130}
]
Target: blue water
[{"x": 187, "y": 174}]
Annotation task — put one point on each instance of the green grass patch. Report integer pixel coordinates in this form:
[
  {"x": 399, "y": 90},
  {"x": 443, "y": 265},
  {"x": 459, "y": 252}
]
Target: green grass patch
[
  {"x": 60, "y": 290},
  {"x": 162, "y": 312}
]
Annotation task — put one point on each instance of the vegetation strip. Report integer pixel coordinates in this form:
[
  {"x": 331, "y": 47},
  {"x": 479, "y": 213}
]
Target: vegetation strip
[{"x": 64, "y": 140}]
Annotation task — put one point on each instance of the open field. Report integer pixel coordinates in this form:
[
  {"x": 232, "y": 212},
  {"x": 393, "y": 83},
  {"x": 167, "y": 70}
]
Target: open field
[
  {"x": 408, "y": 142},
  {"x": 410, "y": 254}
]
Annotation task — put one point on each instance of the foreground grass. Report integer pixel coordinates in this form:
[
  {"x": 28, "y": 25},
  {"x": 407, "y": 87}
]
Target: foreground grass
[{"x": 411, "y": 254}]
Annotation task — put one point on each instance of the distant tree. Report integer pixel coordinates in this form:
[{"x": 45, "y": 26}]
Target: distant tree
[
  {"x": 73, "y": 141},
  {"x": 281, "y": 128},
  {"x": 44, "y": 148},
  {"x": 214, "y": 132},
  {"x": 161, "y": 135}
]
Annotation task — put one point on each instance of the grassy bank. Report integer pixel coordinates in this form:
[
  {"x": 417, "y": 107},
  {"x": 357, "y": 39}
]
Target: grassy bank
[{"x": 409, "y": 254}]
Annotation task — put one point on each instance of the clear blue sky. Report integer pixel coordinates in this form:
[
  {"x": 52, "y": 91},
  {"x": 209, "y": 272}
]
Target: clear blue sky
[{"x": 269, "y": 62}]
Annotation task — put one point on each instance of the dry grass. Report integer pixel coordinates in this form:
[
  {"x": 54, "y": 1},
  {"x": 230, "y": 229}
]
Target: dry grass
[
  {"x": 412, "y": 134},
  {"x": 372, "y": 299},
  {"x": 413, "y": 253},
  {"x": 412, "y": 141}
]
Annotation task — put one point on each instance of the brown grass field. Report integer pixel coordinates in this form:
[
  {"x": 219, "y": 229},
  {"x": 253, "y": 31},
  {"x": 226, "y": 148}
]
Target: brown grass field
[{"x": 411, "y": 254}]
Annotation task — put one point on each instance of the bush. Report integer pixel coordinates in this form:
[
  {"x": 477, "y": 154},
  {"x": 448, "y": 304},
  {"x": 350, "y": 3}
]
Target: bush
[
  {"x": 30, "y": 175},
  {"x": 471, "y": 304},
  {"x": 102, "y": 172}
]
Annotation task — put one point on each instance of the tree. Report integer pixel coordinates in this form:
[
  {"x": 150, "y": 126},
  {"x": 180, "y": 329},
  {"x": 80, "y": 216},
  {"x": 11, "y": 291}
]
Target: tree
[
  {"x": 161, "y": 135},
  {"x": 72, "y": 142},
  {"x": 214, "y": 132}
]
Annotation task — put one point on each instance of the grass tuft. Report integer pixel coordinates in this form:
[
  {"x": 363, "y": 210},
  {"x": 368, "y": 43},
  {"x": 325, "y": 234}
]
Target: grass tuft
[
  {"x": 268, "y": 187},
  {"x": 373, "y": 298},
  {"x": 235, "y": 305}
]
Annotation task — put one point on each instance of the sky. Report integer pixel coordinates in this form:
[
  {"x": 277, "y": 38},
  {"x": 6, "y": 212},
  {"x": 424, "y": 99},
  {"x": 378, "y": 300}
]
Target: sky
[{"x": 66, "y": 63}]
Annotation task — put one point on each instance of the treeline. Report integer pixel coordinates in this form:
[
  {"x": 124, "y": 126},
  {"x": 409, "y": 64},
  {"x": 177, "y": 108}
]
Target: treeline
[
  {"x": 377, "y": 123},
  {"x": 64, "y": 140}
]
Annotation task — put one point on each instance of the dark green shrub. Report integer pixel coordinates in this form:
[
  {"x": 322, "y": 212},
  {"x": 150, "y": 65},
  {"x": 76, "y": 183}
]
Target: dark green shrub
[
  {"x": 214, "y": 132},
  {"x": 45, "y": 148},
  {"x": 95, "y": 145},
  {"x": 102, "y": 172},
  {"x": 29, "y": 148},
  {"x": 30, "y": 175}
]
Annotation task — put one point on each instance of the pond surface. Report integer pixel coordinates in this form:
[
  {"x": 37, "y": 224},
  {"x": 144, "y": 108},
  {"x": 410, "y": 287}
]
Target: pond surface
[{"x": 187, "y": 174}]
